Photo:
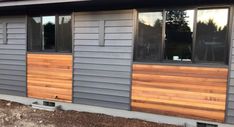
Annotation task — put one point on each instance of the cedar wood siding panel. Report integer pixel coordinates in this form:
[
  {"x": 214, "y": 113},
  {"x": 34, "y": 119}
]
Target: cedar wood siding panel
[
  {"x": 102, "y": 74},
  {"x": 13, "y": 55},
  {"x": 49, "y": 76},
  {"x": 191, "y": 92}
]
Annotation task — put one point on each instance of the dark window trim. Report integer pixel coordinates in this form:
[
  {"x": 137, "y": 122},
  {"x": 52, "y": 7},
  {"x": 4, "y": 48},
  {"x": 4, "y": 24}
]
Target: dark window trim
[
  {"x": 174, "y": 63},
  {"x": 163, "y": 36},
  {"x": 193, "y": 62},
  {"x": 36, "y": 52},
  {"x": 56, "y": 28},
  {"x": 194, "y": 34}
]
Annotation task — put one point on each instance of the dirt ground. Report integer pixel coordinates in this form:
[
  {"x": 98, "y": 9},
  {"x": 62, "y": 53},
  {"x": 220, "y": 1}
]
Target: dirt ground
[{"x": 18, "y": 115}]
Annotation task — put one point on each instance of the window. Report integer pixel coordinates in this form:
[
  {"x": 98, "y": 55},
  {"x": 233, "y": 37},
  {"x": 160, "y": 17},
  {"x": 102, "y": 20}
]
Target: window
[
  {"x": 149, "y": 42},
  {"x": 34, "y": 34},
  {"x": 50, "y": 33},
  {"x": 212, "y": 35},
  {"x": 176, "y": 35},
  {"x": 64, "y": 34},
  {"x": 179, "y": 30}
]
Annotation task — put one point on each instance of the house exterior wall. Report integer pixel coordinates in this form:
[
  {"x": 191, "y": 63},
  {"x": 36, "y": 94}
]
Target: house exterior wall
[
  {"x": 230, "y": 92},
  {"x": 102, "y": 64},
  {"x": 103, "y": 58},
  {"x": 13, "y": 55}
]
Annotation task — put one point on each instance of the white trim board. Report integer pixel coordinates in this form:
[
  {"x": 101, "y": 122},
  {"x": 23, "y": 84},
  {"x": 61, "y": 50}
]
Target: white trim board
[
  {"x": 34, "y": 2},
  {"x": 116, "y": 112}
]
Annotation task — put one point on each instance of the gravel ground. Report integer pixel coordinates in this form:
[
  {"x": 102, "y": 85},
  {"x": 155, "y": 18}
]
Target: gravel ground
[{"x": 18, "y": 115}]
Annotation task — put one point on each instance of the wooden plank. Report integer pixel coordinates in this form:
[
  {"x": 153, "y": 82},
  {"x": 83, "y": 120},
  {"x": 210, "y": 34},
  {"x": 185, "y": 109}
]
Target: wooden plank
[
  {"x": 179, "y": 111},
  {"x": 179, "y": 79},
  {"x": 39, "y": 95},
  {"x": 168, "y": 92},
  {"x": 180, "y": 86},
  {"x": 198, "y": 100},
  {"x": 49, "y": 84},
  {"x": 49, "y": 76},
  {"x": 52, "y": 90},
  {"x": 182, "y": 69},
  {"x": 194, "y": 92}
]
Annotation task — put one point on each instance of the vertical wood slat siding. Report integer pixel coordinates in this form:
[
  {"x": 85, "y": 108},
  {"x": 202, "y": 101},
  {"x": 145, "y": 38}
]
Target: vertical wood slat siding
[
  {"x": 102, "y": 70},
  {"x": 50, "y": 76},
  {"x": 13, "y": 56},
  {"x": 194, "y": 92},
  {"x": 230, "y": 101}
]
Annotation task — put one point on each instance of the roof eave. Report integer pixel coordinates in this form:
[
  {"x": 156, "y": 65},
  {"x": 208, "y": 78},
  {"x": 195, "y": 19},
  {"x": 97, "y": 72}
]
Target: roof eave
[{"x": 35, "y": 2}]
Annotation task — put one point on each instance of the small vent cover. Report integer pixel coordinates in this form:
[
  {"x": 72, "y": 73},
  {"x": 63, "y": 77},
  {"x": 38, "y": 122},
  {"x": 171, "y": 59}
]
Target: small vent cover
[
  {"x": 47, "y": 103},
  {"x": 206, "y": 125}
]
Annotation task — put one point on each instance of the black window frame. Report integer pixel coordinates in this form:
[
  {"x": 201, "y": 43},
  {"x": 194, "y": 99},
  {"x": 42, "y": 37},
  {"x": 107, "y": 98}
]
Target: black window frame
[
  {"x": 55, "y": 50},
  {"x": 192, "y": 62}
]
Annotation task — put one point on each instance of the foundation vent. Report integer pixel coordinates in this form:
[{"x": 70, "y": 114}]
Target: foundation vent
[{"x": 206, "y": 125}]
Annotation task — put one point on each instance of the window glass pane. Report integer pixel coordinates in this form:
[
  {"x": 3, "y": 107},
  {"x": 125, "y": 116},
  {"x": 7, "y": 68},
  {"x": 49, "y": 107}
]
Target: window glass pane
[
  {"x": 48, "y": 23},
  {"x": 34, "y": 34},
  {"x": 179, "y": 30},
  {"x": 149, "y": 39},
  {"x": 64, "y": 34},
  {"x": 211, "y": 36}
]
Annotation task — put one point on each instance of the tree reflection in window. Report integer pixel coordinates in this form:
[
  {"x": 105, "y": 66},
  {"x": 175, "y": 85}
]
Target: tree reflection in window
[
  {"x": 48, "y": 33},
  {"x": 179, "y": 30},
  {"x": 211, "y": 40},
  {"x": 34, "y": 34},
  {"x": 149, "y": 40}
]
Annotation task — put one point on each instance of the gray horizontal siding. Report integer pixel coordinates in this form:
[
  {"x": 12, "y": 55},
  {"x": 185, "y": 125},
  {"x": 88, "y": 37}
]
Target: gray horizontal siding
[
  {"x": 117, "y": 74},
  {"x": 230, "y": 93},
  {"x": 230, "y": 97},
  {"x": 102, "y": 85},
  {"x": 107, "y": 43},
  {"x": 109, "y": 49},
  {"x": 103, "y": 55},
  {"x": 108, "y": 104},
  {"x": 102, "y": 79},
  {"x": 103, "y": 97},
  {"x": 103, "y": 61},
  {"x": 110, "y": 92},
  {"x": 13, "y": 67},
  {"x": 102, "y": 74},
  {"x": 13, "y": 56},
  {"x": 101, "y": 67}
]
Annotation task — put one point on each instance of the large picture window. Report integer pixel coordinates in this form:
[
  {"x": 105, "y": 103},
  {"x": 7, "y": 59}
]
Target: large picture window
[
  {"x": 50, "y": 33},
  {"x": 193, "y": 36}
]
